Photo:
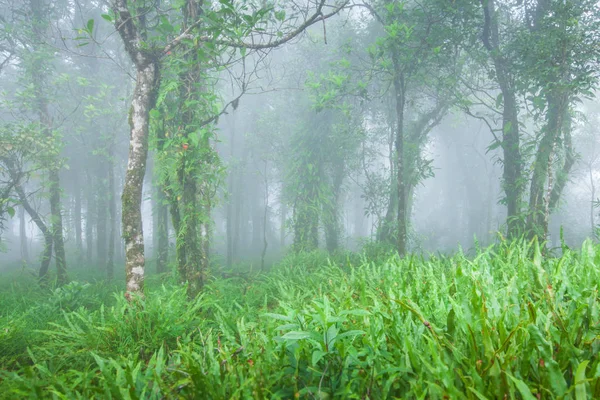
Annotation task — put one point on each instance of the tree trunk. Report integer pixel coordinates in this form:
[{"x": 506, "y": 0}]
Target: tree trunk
[
  {"x": 77, "y": 218},
  {"x": 230, "y": 192},
  {"x": 163, "y": 233},
  {"x": 163, "y": 195},
  {"x": 239, "y": 222},
  {"x": 57, "y": 228},
  {"x": 90, "y": 218},
  {"x": 257, "y": 216},
  {"x": 112, "y": 214},
  {"x": 143, "y": 100},
  {"x": 400, "y": 93},
  {"x": 385, "y": 229},
  {"x": 102, "y": 209},
  {"x": 23, "y": 236},
  {"x": 593, "y": 199},
  {"x": 331, "y": 212},
  {"x": 539, "y": 204},
  {"x": 283, "y": 211},
  {"x": 38, "y": 67},
  {"x": 512, "y": 174},
  {"x": 48, "y": 238}
]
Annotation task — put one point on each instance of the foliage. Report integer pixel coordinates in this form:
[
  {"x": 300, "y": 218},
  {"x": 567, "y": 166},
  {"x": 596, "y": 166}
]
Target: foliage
[{"x": 509, "y": 322}]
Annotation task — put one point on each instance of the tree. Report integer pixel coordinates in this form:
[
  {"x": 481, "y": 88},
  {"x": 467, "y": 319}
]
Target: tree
[{"x": 146, "y": 53}]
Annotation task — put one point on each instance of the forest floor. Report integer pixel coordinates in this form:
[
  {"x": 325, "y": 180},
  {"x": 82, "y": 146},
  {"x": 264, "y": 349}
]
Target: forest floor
[{"x": 506, "y": 323}]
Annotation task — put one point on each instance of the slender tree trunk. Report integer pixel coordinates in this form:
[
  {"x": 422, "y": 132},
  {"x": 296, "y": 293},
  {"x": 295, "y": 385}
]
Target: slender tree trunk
[
  {"x": 144, "y": 99},
  {"x": 513, "y": 188},
  {"x": 112, "y": 214},
  {"x": 15, "y": 176},
  {"x": 164, "y": 194},
  {"x": 77, "y": 218},
  {"x": 230, "y": 192},
  {"x": 539, "y": 198},
  {"x": 48, "y": 238},
  {"x": 102, "y": 215},
  {"x": 142, "y": 103},
  {"x": 257, "y": 216},
  {"x": 39, "y": 25},
  {"x": 57, "y": 228},
  {"x": 90, "y": 218},
  {"x": 163, "y": 233},
  {"x": 331, "y": 212},
  {"x": 593, "y": 199},
  {"x": 385, "y": 229},
  {"x": 359, "y": 217},
  {"x": 569, "y": 161},
  {"x": 512, "y": 175},
  {"x": 283, "y": 211},
  {"x": 23, "y": 236},
  {"x": 239, "y": 225},
  {"x": 265, "y": 217},
  {"x": 400, "y": 93}
]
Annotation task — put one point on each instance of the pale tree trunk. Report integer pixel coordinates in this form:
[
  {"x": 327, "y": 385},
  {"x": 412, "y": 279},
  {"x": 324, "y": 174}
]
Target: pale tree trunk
[
  {"x": 77, "y": 218},
  {"x": 23, "y": 236},
  {"x": 400, "y": 93},
  {"x": 385, "y": 227},
  {"x": 112, "y": 215},
  {"x": 265, "y": 219},
  {"x": 57, "y": 228},
  {"x": 163, "y": 232},
  {"x": 144, "y": 98},
  {"x": 593, "y": 199},
  {"x": 102, "y": 208},
  {"x": 89, "y": 218},
  {"x": 163, "y": 194},
  {"x": 331, "y": 213},
  {"x": 283, "y": 215},
  {"x": 256, "y": 216},
  {"x": 231, "y": 199},
  {"x": 239, "y": 220},
  {"x": 142, "y": 103}
]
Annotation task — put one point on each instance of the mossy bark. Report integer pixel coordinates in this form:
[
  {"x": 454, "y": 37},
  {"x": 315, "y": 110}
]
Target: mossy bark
[{"x": 144, "y": 99}]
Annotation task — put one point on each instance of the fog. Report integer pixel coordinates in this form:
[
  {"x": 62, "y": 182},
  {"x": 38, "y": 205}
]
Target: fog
[
  {"x": 299, "y": 199},
  {"x": 295, "y": 146}
]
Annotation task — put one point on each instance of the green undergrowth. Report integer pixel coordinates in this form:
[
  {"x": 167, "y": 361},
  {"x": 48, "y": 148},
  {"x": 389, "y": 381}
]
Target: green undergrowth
[{"x": 507, "y": 323}]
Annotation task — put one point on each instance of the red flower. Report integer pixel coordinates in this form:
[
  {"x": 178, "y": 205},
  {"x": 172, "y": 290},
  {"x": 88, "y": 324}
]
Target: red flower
[{"x": 185, "y": 146}]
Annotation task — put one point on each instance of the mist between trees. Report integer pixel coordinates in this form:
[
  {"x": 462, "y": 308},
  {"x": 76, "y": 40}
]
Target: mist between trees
[
  {"x": 201, "y": 136},
  {"x": 299, "y": 199}
]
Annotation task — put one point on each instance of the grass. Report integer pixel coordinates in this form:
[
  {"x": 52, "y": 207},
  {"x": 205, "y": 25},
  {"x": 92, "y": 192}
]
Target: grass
[{"x": 507, "y": 323}]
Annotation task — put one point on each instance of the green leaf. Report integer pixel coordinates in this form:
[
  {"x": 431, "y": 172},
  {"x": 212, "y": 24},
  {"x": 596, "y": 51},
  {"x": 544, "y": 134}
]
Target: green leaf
[
  {"x": 580, "y": 391},
  {"x": 280, "y": 15},
  {"x": 499, "y": 100},
  {"x": 10, "y": 211},
  {"x": 90, "y": 26},
  {"x": 476, "y": 393},
  {"x": 280, "y": 317},
  {"x": 352, "y": 333},
  {"x": 107, "y": 17},
  {"x": 523, "y": 388},
  {"x": 317, "y": 355},
  {"x": 296, "y": 335}
]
